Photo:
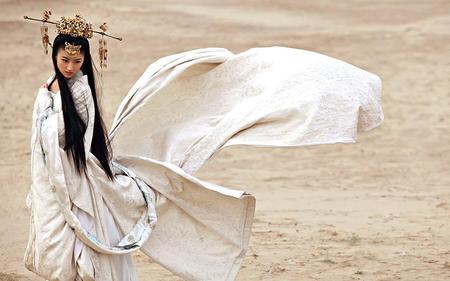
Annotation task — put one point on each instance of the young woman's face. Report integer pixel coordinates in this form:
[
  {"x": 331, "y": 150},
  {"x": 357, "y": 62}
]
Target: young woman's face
[{"x": 67, "y": 64}]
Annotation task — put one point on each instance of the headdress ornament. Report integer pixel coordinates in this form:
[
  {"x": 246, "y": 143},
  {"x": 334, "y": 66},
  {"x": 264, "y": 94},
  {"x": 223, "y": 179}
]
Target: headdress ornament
[
  {"x": 72, "y": 49},
  {"x": 75, "y": 27}
]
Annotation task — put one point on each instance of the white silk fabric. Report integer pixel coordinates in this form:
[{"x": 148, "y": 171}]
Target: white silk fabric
[{"x": 183, "y": 110}]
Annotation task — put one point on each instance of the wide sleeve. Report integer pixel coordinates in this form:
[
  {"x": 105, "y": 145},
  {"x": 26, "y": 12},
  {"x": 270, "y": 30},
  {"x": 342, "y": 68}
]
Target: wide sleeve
[
  {"x": 263, "y": 97},
  {"x": 41, "y": 102},
  {"x": 84, "y": 103}
]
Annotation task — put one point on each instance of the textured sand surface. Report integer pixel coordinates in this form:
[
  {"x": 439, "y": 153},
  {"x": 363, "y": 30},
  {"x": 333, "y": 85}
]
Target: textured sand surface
[{"x": 376, "y": 210}]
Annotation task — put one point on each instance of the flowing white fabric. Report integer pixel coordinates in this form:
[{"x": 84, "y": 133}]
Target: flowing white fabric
[{"x": 183, "y": 110}]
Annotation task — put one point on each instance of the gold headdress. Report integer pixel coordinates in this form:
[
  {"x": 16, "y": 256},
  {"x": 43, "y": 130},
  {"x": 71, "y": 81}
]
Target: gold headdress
[{"x": 76, "y": 27}]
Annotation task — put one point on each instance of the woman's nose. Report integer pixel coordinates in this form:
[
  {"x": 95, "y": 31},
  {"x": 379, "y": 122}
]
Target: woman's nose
[{"x": 69, "y": 66}]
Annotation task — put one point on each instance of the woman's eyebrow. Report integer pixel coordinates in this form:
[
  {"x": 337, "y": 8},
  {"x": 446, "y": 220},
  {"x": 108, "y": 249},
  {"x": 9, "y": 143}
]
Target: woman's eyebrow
[{"x": 67, "y": 58}]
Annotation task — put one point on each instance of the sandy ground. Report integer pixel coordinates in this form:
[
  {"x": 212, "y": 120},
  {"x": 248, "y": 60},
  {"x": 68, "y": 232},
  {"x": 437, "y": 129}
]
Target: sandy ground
[{"x": 376, "y": 210}]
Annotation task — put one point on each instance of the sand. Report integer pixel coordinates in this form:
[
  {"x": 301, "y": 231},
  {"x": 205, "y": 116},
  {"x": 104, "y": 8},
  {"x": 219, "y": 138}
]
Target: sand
[{"x": 375, "y": 210}]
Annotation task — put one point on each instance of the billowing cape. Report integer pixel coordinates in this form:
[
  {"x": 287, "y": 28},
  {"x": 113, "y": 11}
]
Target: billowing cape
[{"x": 186, "y": 107}]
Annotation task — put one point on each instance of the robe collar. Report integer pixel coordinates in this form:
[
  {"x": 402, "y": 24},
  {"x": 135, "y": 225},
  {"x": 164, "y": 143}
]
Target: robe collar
[
  {"x": 74, "y": 78},
  {"x": 71, "y": 80}
]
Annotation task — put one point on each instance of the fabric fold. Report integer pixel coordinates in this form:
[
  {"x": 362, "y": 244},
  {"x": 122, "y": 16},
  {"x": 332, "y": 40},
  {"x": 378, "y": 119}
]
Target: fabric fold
[
  {"x": 184, "y": 109},
  {"x": 263, "y": 97}
]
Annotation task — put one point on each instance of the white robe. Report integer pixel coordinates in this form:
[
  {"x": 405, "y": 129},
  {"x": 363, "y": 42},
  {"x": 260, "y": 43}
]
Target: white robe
[{"x": 181, "y": 111}]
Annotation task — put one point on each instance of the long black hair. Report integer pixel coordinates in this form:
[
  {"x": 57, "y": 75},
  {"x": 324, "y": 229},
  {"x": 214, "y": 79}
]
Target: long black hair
[{"x": 74, "y": 126}]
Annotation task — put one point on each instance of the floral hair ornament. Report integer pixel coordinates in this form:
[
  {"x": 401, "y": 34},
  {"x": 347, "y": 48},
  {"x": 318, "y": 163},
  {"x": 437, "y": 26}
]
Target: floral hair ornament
[{"x": 75, "y": 27}]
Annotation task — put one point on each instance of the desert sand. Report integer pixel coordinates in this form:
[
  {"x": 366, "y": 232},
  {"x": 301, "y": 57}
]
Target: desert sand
[{"x": 375, "y": 210}]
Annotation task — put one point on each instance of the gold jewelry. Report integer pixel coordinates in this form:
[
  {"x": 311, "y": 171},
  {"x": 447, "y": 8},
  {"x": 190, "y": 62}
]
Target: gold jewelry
[
  {"x": 102, "y": 52},
  {"x": 75, "y": 27},
  {"x": 44, "y": 31},
  {"x": 71, "y": 49},
  {"x": 102, "y": 48},
  {"x": 45, "y": 40}
]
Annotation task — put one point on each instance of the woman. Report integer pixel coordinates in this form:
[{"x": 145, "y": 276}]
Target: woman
[
  {"x": 89, "y": 210},
  {"x": 70, "y": 97}
]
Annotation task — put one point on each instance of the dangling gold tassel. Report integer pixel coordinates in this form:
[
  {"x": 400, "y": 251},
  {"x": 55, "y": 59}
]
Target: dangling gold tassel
[
  {"x": 103, "y": 48},
  {"x": 44, "y": 31},
  {"x": 45, "y": 39},
  {"x": 103, "y": 52}
]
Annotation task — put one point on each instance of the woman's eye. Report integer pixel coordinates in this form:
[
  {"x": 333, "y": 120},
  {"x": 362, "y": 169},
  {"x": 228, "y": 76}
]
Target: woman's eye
[{"x": 65, "y": 60}]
